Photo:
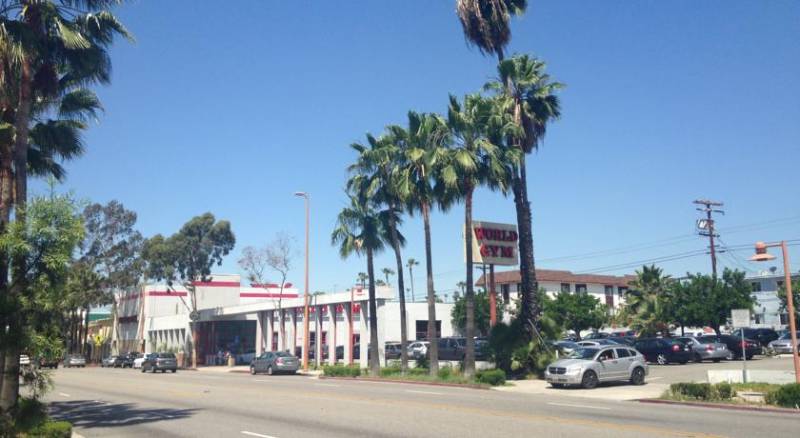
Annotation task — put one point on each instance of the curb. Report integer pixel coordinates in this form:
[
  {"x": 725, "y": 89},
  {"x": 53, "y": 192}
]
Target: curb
[
  {"x": 408, "y": 382},
  {"x": 720, "y": 406}
]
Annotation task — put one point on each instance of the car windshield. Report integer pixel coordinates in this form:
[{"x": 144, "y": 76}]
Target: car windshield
[
  {"x": 707, "y": 340},
  {"x": 166, "y": 356},
  {"x": 583, "y": 353},
  {"x": 282, "y": 354}
]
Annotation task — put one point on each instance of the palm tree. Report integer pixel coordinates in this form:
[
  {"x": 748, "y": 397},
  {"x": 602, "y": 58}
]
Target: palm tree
[
  {"x": 359, "y": 230},
  {"x": 421, "y": 144},
  {"x": 411, "y": 262},
  {"x": 387, "y": 272},
  {"x": 362, "y": 279},
  {"x": 472, "y": 160},
  {"x": 526, "y": 93},
  {"x": 486, "y": 23},
  {"x": 645, "y": 300}
]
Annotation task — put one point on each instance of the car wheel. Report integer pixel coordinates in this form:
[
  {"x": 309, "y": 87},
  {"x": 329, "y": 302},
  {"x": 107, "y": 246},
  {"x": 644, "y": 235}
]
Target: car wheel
[
  {"x": 269, "y": 370},
  {"x": 697, "y": 358},
  {"x": 174, "y": 370},
  {"x": 683, "y": 362},
  {"x": 143, "y": 369},
  {"x": 637, "y": 376},
  {"x": 557, "y": 385},
  {"x": 589, "y": 380},
  {"x": 716, "y": 360},
  {"x": 730, "y": 355},
  {"x": 252, "y": 370},
  {"x": 661, "y": 359},
  {"x": 750, "y": 357}
]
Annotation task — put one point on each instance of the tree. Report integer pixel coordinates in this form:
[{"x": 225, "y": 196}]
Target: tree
[
  {"x": 486, "y": 23},
  {"x": 716, "y": 297},
  {"x": 411, "y": 262},
  {"x": 577, "y": 311},
  {"x": 187, "y": 257},
  {"x": 362, "y": 279},
  {"x": 387, "y": 273},
  {"x": 421, "y": 143},
  {"x": 472, "y": 160},
  {"x": 795, "y": 298},
  {"x": 458, "y": 315},
  {"x": 278, "y": 255},
  {"x": 526, "y": 93},
  {"x": 646, "y": 301},
  {"x": 359, "y": 230}
]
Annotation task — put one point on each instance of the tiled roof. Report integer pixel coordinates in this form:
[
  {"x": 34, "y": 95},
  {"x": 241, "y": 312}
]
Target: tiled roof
[{"x": 558, "y": 276}]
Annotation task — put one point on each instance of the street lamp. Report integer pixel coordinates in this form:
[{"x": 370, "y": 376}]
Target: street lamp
[
  {"x": 306, "y": 344},
  {"x": 761, "y": 255}
]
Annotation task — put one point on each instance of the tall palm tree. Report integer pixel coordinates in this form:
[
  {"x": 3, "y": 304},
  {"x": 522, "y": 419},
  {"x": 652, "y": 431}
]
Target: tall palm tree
[
  {"x": 362, "y": 278},
  {"x": 644, "y": 301},
  {"x": 486, "y": 23},
  {"x": 374, "y": 175},
  {"x": 387, "y": 273},
  {"x": 411, "y": 262},
  {"x": 472, "y": 160},
  {"x": 527, "y": 93},
  {"x": 359, "y": 230},
  {"x": 422, "y": 145}
]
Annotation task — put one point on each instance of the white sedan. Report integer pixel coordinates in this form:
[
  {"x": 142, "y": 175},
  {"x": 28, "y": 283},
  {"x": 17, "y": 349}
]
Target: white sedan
[{"x": 137, "y": 363}]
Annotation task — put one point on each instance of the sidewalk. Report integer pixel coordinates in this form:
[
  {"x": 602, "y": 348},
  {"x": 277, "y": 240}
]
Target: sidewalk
[{"x": 608, "y": 391}]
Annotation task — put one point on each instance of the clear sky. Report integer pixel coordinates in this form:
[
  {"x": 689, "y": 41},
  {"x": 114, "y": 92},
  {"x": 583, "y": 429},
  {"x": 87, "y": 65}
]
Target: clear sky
[{"x": 232, "y": 108}]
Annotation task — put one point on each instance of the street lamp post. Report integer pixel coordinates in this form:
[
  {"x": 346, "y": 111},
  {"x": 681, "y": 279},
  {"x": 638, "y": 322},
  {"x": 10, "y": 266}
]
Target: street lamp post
[
  {"x": 306, "y": 343},
  {"x": 761, "y": 255}
]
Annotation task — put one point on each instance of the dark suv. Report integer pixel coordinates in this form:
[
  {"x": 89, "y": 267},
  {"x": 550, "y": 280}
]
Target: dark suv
[
  {"x": 451, "y": 348},
  {"x": 734, "y": 344},
  {"x": 160, "y": 362},
  {"x": 763, "y": 335},
  {"x": 663, "y": 351}
]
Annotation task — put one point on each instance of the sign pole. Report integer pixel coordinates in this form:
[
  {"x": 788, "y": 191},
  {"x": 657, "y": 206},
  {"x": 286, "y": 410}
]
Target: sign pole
[
  {"x": 741, "y": 319},
  {"x": 744, "y": 359}
]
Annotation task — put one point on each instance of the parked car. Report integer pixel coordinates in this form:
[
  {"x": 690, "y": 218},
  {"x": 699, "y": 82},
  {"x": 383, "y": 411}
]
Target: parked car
[
  {"x": 392, "y": 350},
  {"x": 589, "y": 366},
  {"x": 564, "y": 348},
  {"x": 596, "y": 342},
  {"x": 451, "y": 348},
  {"x": 623, "y": 340},
  {"x": 137, "y": 363},
  {"x": 160, "y": 362},
  {"x": 418, "y": 349},
  {"x": 74, "y": 360},
  {"x": 128, "y": 359},
  {"x": 623, "y": 334},
  {"x": 596, "y": 335},
  {"x": 783, "y": 344},
  {"x": 272, "y": 362},
  {"x": 762, "y": 335},
  {"x": 108, "y": 361},
  {"x": 734, "y": 345},
  {"x": 663, "y": 350},
  {"x": 119, "y": 361},
  {"x": 713, "y": 351},
  {"x": 48, "y": 362},
  {"x": 481, "y": 349}
]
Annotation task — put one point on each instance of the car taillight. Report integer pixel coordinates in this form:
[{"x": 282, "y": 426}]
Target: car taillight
[
  {"x": 676, "y": 348},
  {"x": 710, "y": 348},
  {"x": 744, "y": 344},
  {"x": 279, "y": 361}
]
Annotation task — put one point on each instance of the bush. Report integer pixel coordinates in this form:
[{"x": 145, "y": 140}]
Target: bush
[
  {"x": 341, "y": 371},
  {"x": 390, "y": 371},
  {"x": 418, "y": 372},
  {"x": 52, "y": 429},
  {"x": 445, "y": 373},
  {"x": 703, "y": 391},
  {"x": 495, "y": 377},
  {"x": 787, "y": 396},
  {"x": 725, "y": 391}
]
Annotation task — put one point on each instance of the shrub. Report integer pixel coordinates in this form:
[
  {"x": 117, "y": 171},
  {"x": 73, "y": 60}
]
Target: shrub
[
  {"x": 341, "y": 371},
  {"x": 787, "y": 396},
  {"x": 423, "y": 362},
  {"x": 52, "y": 429},
  {"x": 445, "y": 373},
  {"x": 30, "y": 414},
  {"x": 418, "y": 372},
  {"x": 703, "y": 391},
  {"x": 390, "y": 371},
  {"x": 491, "y": 377},
  {"x": 725, "y": 391}
]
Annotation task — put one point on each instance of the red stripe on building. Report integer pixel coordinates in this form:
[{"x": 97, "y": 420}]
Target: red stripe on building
[
  {"x": 217, "y": 283},
  {"x": 166, "y": 294},
  {"x": 265, "y": 295}
]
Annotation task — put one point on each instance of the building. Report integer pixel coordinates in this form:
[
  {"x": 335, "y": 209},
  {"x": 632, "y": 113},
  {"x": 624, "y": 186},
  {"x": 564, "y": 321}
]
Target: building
[
  {"x": 767, "y": 312},
  {"x": 609, "y": 289},
  {"x": 247, "y": 320}
]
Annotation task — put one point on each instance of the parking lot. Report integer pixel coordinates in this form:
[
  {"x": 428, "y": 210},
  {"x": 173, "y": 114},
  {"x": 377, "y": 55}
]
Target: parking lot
[{"x": 696, "y": 372}]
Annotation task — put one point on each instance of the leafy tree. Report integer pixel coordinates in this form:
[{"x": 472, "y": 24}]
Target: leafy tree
[
  {"x": 646, "y": 301},
  {"x": 187, "y": 258},
  {"x": 716, "y": 297},
  {"x": 458, "y": 315},
  {"x": 359, "y": 230},
  {"x": 577, "y": 311}
]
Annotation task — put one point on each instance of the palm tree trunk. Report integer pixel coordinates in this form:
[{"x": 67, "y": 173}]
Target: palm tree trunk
[
  {"x": 10, "y": 390},
  {"x": 529, "y": 309},
  {"x": 433, "y": 347},
  {"x": 411, "y": 277},
  {"x": 401, "y": 293},
  {"x": 469, "y": 354},
  {"x": 374, "y": 360},
  {"x": 6, "y": 199}
]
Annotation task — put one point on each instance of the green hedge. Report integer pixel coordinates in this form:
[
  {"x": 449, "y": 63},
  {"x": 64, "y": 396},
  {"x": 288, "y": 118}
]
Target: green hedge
[
  {"x": 341, "y": 371},
  {"x": 703, "y": 391},
  {"x": 52, "y": 429},
  {"x": 491, "y": 377},
  {"x": 787, "y": 396}
]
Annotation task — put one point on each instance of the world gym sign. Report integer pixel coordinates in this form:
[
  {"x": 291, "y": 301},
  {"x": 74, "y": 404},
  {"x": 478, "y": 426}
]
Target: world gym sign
[{"x": 494, "y": 244}]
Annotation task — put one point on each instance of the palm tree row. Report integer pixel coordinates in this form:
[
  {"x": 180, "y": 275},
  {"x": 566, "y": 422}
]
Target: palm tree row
[{"x": 437, "y": 161}]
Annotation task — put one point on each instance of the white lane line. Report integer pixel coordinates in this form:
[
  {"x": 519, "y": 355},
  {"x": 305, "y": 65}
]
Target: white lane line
[
  {"x": 244, "y": 432},
  {"x": 63, "y": 394},
  {"x": 579, "y": 406},
  {"x": 424, "y": 392}
]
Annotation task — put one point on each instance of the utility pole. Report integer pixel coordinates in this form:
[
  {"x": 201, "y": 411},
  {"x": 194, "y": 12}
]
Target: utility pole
[{"x": 706, "y": 227}]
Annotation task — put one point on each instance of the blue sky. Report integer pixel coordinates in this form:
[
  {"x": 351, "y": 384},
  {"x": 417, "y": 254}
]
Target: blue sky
[{"x": 232, "y": 109}]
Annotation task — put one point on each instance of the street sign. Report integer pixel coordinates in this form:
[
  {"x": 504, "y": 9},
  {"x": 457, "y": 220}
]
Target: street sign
[
  {"x": 740, "y": 318},
  {"x": 494, "y": 244}
]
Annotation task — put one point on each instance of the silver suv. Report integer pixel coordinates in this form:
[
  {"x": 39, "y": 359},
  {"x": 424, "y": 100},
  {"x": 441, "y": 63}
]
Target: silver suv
[{"x": 591, "y": 365}]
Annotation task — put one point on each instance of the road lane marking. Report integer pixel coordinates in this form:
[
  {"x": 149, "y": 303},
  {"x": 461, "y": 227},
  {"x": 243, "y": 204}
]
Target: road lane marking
[
  {"x": 63, "y": 394},
  {"x": 579, "y": 406},
  {"x": 244, "y": 432},
  {"x": 424, "y": 392}
]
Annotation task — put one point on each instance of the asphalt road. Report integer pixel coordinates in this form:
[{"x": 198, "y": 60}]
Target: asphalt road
[{"x": 122, "y": 403}]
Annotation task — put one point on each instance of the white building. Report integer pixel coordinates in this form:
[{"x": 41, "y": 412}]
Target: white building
[
  {"x": 767, "y": 312},
  {"x": 247, "y": 320}
]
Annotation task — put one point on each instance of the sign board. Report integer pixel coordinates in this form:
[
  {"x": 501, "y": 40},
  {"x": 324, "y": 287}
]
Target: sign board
[
  {"x": 494, "y": 243},
  {"x": 740, "y": 318}
]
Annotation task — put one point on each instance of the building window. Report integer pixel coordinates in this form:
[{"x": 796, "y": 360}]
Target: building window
[
  {"x": 756, "y": 286},
  {"x": 784, "y": 318},
  {"x": 609, "y": 296},
  {"x": 504, "y": 289},
  {"x": 565, "y": 287},
  {"x": 580, "y": 288}
]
